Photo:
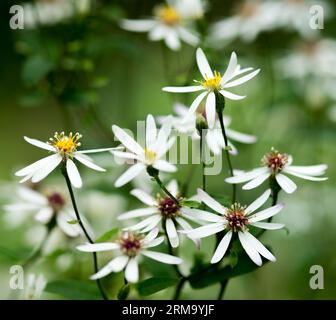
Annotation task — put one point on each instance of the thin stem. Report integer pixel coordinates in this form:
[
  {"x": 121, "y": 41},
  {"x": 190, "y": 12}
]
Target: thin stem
[
  {"x": 202, "y": 162},
  {"x": 164, "y": 189},
  {"x": 222, "y": 289},
  {"x": 73, "y": 200},
  {"x": 179, "y": 288}
]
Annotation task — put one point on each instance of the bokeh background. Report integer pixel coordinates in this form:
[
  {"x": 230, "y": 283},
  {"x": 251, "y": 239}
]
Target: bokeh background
[{"x": 85, "y": 73}]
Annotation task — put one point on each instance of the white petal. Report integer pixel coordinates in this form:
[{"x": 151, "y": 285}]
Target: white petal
[
  {"x": 71, "y": 230},
  {"x": 152, "y": 225},
  {"x": 88, "y": 163},
  {"x": 259, "y": 246},
  {"x": 163, "y": 165},
  {"x": 230, "y": 69},
  {"x": 17, "y": 207},
  {"x": 207, "y": 230},
  {"x": 172, "y": 40},
  {"x": 157, "y": 33},
  {"x": 242, "y": 80},
  {"x": 154, "y": 220},
  {"x": 129, "y": 174},
  {"x": 35, "y": 166},
  {"x": 183, "y": 89},
  {"x": 222, "y": 247},
  {"x": 304, "y": 176},
  {"x": 162, "y": 257},
  {"x": 210, "y": 202},
  {"x": 138, "y": 25},
  {"x": 172, "y": 234},
  {"x": 116, "y": 265},
  {"x": 210, "y": 109},
  {"x": 132, "y": 271},
  {"x": 240, "y": 137},
  {"x": 196, "y": 104},
  {"x": 256, "y": 181},
  {"x": 246, "y": 176},
  {"x": 97, "y": 150},
  {"x": 186, "y": 227},
  {"x": 201, "y": 215},
  {"x": 172, "y": 187},
  {"x": 40, "y": 144},
  {"x": 267, "y": 213},
  {"x": 127, "y": 140},
  {"x": 268, "y": 225},
  {"x": 316, "y": 170},
  {"x": 125, "y": 155},
  {"x": 212, "y": 142},
  {"x": 73, "y": 174},
  {"x": 44, "y": 215},
  {"x": 285, "y": 183},
  {"x": 154, "y": 243},
  {"x": 32, "y": 196},
  {"x": 47, "y": 168},
  {"x": 151, "y": 236},
  {"x": 249, "y": 248},
  {"x": 203, "y": 64},
  {"x": 98, "y": 247},
  {"x": 256, "y": 204},
  {"x": 138, "y": 213},
  {"x": 151, "y": 131},
  {"x": 231, "y": 96},
  {"x": 188, "y": 37},
  {"x": 143, "y": 196}
]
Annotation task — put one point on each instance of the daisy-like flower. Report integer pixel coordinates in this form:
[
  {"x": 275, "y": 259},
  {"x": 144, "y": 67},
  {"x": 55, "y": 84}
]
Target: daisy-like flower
[
  {"x": 45, "y": 208},
  {"x": 158, "y": 143},
  {"x": 172, "y": 22},
  {"x": 213, "y": 83},
  {"x": 236, "y": 220},
  {"x": 161, "y": 208},
  {"x": 185, "y": 123},
  {"x": 35, "y": 286},
  {"x": 131, "y": 247},
  {"x": 65, "y": 151},
  {"x": 276, "y": 164}
]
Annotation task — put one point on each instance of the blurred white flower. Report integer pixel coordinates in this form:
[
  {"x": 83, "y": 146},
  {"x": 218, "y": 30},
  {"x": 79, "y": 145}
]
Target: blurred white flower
[
  {"x": 236, "y": 219},
  {"x": 161, "y": 209},
  {"x": 49, "y": 12},
  {"x": 34, "y": 286},
  {"x": 275, "y": 164},
  {"x": 172, "y": 22},
  {"x": 65, "y": 150},
  {"x": 130, "y": 246},
  {"x": 185, "y": 123},
  {"x": 213, "y": 83},
  {"x": 45, "y": 208},
  {"x": 158, "y": 143}
]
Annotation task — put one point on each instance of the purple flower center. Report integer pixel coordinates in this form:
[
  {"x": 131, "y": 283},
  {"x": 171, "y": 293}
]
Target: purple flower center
[{"x": 168, "y": 207}]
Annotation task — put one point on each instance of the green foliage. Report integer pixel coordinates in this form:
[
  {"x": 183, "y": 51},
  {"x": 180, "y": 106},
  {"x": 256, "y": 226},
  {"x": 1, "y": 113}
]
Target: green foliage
[
  {"x": 108, "y": 235},
  {"x": 155, "y": 284},
  {"x": 35, "y": 68},
  {"x": 123, "y": 292}
]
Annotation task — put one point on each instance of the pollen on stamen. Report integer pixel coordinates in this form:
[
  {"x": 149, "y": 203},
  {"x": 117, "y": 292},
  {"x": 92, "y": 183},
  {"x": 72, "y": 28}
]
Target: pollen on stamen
[
  {"x": 275, "y": 160},
  {"x": 65, "y": 144},
  {"x": 168, "y": 15},
  {"x": 130, "y": 243},
  {"x": 150, "y": 155},
  {"x": 213, "y": 83},
  {"x": 236, "y": 217}
]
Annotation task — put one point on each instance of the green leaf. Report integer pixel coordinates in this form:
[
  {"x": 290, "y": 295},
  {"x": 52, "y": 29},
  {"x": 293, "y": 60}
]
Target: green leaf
[
  {"x": 73, "y": 221},
  {"x": 212, "y": 274},
  {"x": 74, "y": 289},
  {"x": 233, "y": 258},
  {"x": 123, "y": 292},
  {"x": 35, "y": 68},
  {"x": 108, "y": 235},
  {"x": 155, "y": 284},
  {"x": 191, "y": 204}
]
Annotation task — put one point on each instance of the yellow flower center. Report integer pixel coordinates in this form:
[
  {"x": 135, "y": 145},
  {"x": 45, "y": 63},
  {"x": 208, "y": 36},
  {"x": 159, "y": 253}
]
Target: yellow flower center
[
  {"x": 168, "y": 15},
  {"x": 150, "y": 155},
  {"x": 65, "y": 145},
  {"x": 213, "y": 83}
]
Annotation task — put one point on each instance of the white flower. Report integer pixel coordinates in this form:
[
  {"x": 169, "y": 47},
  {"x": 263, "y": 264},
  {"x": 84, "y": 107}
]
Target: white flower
[
  {"x": 131, "y": 247},
  {"x": 65, "y": 150},
  {"x": 161, "y": 208},
  {"x": 185, "y": 123},
  {"x": 34, "y": 287},
  {"x": 51, "y": 12},
  {"x": 157, "y": 145},
  {"x": 214, "y": 82},
  {"x": 275, "y": 164},
  {"x": 172, "y": 23},
  {"x": 236, "y": 219},
  {"x": 252, "y": 18},
  {"x": 45, "y": 208}
]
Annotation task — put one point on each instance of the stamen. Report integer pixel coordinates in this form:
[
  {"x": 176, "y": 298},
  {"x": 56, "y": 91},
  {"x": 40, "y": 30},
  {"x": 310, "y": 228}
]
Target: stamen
[
  {"x": 236, "y": 217},
  {"x": 65, "y": 145},
  {"x": 275, "y": 160},
  {"x": 168, "y": 15},
  {"x": 130, "y": 243},
  {"x": 212, "y": 83},
  {"x": 168, "y": 207}
]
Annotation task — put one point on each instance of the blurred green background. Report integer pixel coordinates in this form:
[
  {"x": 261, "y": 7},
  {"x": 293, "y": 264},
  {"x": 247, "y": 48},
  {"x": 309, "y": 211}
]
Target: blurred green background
[{"x": 87, "y": 73}]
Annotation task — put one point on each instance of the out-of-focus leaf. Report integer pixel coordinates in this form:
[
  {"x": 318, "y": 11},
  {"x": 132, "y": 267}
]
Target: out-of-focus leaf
[
  {"x": 155, "y": 284},
  {"x": 35, "y": 68},
  {"x": 108, "y": 235},
  {"x": 123, "y": 292},
  {"x": 32, "y": 99},
  {"x": 74, "y": 289}
]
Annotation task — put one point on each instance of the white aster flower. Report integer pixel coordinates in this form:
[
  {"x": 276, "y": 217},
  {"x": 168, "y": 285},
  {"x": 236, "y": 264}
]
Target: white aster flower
[
  {"x": 65, "y": 150},
  {"x": 235, "y": 220},
  {"x": 34, "y": 287},
  {"x": 213, "y": 82},
  {"x": 161, "y": 209},
  {"x": 172, "y": 22},
  {"x": 50, "y": 12},
  {"x": 131, "y": 247},
  {"x": 158, "y": 143},
  {"x": 45, "y": 208},
  {"x": 185, "y": 123},
  {"x": 276, "y": 164}
]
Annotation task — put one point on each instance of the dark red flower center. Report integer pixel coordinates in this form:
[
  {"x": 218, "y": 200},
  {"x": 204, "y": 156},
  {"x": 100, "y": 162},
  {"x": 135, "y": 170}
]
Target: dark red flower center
[
  {"x": 56, "y": 201},
  {"x": 236, "y": 217},
  {"x": 168, "y": 207}
]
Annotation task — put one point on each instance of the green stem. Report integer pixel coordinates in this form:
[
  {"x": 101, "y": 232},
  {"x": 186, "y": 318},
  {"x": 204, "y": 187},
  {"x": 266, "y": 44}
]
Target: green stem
[
  {"x": 222, "y": 289},
  {"x": 203, "y": 163},
  {"x": 179, "y": 288},
  {"x": 74, "y": 204}
]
